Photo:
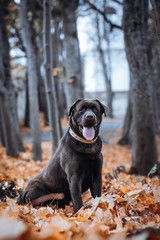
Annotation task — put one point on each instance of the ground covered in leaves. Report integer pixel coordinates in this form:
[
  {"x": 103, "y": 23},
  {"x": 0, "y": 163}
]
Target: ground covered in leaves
[{"x": 129, "y": 204}]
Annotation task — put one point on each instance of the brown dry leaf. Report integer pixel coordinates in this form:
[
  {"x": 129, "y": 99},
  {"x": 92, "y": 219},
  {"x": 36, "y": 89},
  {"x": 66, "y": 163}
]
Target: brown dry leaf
[
  {"x": 83, "y": 215},
  {"x": 120, "y": 235},
  {"x": 58, "y": 229},
  {"x": 156, "y": 189},
  {"x": 91, "y": 231},
  {"x": 104, "y": 217}
]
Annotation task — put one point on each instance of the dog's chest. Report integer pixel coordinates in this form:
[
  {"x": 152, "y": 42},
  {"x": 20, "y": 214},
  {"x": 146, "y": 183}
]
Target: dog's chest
[{"x": 88, "y": 169}]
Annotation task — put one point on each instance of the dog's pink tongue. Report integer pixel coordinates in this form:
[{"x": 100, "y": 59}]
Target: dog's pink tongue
[{"x": 88, "y": 133}]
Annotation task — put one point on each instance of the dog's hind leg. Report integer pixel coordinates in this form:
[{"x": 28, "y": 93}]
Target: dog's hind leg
[
  {"x": 34, "y": 189},
  {"x": 37, "y": 193}
]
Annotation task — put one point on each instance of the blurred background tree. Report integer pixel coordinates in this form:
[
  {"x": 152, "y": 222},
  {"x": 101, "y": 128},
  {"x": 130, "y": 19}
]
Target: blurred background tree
[
  {"x": 49, "y": 83},
  {"x": 9, "y": 125},
  {"x": 135, "y": 25},
  {"x": 29, "y": 39}
]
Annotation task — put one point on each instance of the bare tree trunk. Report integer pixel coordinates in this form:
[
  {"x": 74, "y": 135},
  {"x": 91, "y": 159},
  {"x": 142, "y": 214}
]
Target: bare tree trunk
[
  {"x": 155, "y": 62},
  {"x": 156, "y": 76},
  {"x": 32, "y": 78},
  {"x": 11, "y": 135},
  {"x": 1, "y": 132},
  {"x": 156, "y": 56},
  {"x": 156, "y": 12},
  {"x": 43, "y": 102},
  {"x": 156, "y": 109},
  {"x": 126, "y": 138},
  {"x": 43, "y": 105},
  {"x": 58, "y": 50},
  {"x": 144, "y": 152},
  {"x": 73, "y": 79},
  {"x": 49, "y": 83},
  {"x": 59, "y": 91},
  {"x": 7, "y": 124},
  {"x": 27, "y": 112},
  {"x": 42, "y": 97},
  {"x": 104, "y": 69}
]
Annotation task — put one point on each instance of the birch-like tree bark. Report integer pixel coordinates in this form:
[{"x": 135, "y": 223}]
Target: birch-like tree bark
[
  {"x": 104, "y": 66},
  {"x": 49, "y": 82},
  {"x": 73, "y": 79},
  {"x": 32, "y": 80}
]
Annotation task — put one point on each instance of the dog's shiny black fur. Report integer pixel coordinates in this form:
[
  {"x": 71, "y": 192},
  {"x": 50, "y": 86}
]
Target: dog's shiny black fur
[{"x": 76, "y": 166}]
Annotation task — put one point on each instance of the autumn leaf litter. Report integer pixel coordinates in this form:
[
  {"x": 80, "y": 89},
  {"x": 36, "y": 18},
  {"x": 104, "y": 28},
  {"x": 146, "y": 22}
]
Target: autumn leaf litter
[{"x": 128, "y": 203}]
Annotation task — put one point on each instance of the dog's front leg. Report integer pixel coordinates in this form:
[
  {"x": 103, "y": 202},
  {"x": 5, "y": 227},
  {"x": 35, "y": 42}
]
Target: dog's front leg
[
  {"x": 96, "y": 185},
  {"x": 75, "y": 190}
]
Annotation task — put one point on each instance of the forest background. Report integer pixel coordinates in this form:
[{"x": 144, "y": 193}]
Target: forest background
[{"x": 45, "y": 34}]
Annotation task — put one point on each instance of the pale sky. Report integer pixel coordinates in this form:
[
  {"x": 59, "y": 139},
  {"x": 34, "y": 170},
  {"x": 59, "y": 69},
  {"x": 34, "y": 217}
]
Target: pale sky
[{"x": 93, "y": 77}]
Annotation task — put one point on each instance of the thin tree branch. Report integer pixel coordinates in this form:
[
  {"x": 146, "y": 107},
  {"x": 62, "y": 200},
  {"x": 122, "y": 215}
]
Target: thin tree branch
[
  {"x": 121, "y": 3},
  {"x": 112, "y": 25},
  {"x": 18, "y": 35},
  {"x": 18, "y": 57}
]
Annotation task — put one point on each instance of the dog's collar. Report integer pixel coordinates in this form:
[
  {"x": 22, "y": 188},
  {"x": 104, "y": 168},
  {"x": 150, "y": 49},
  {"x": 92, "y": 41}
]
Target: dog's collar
[{"x": 80, "y": 139}]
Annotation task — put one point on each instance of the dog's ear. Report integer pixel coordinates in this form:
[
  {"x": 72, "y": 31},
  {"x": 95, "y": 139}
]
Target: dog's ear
[
  {"x": 73, "y": 106},
  {"x": 104, "y": 108}
]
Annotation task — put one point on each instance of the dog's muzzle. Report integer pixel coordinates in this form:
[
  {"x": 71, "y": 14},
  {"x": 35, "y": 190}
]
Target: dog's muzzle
[{"x": 88, "y": 125}]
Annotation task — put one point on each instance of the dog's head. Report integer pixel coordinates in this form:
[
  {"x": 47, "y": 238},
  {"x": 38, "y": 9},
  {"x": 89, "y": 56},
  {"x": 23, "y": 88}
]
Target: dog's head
[{"x": 86, "y": 116}]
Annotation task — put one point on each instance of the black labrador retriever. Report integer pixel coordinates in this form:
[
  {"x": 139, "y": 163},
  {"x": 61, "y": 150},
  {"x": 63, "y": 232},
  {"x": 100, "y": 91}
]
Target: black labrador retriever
[{"x": 77, "y": 162}]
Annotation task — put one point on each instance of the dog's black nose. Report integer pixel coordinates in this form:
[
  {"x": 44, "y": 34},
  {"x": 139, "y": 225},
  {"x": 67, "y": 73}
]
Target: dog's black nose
[{"x": 89, "y": 117}]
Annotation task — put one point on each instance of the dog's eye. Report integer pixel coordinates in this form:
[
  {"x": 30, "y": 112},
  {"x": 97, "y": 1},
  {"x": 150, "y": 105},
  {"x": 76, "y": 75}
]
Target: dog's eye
[
  {"x": 82, "y": 109},
  {"x": 95, "y": 108}
]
